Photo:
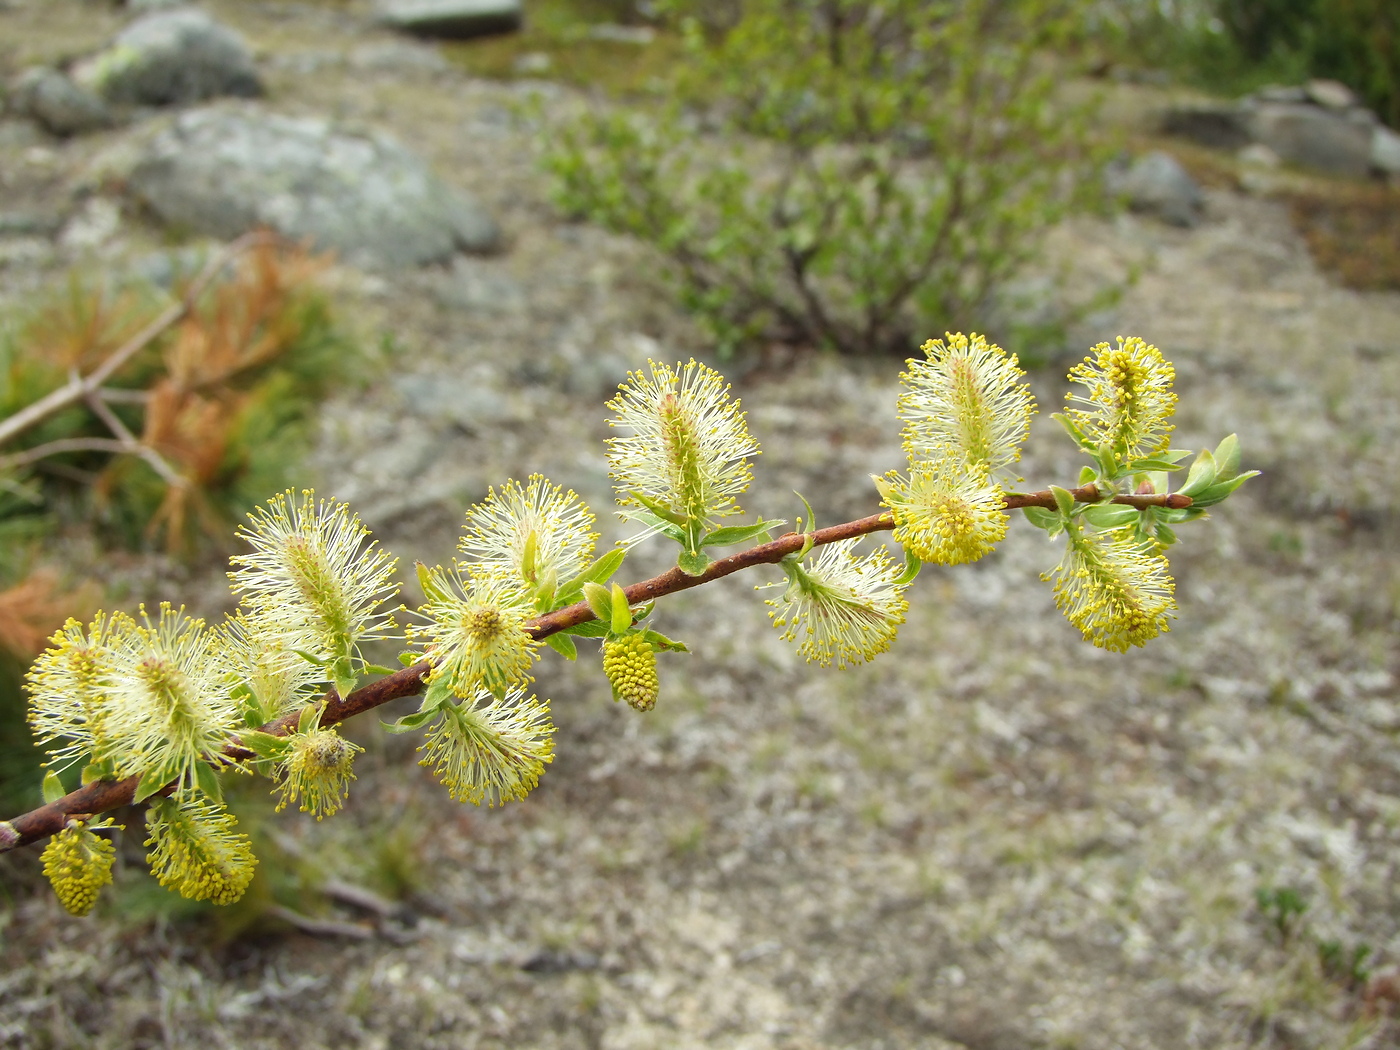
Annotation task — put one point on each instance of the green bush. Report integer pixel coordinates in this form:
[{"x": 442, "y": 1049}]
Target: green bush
[{"x": 842, "y": 173}]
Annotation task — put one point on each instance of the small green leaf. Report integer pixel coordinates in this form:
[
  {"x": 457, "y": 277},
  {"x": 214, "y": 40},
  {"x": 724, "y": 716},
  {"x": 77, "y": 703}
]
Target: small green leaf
[
  {"x": 621, "y": 611},
  {"x": 738, "y": 533},
  {"x": 664, "y": 644},
  {"x": 693, "y": 563},
  {"x": 264, "y": 745},
  {"x": 1064, "y": 500},
  {"x": 600, "y": 571},
  {"x": 1227, "y": 455},
  {"x": 588, "y": 629},
  {"x": 1110, "y": 515},
  {"x": 439, "y": 692},
  {"x": 1044, "y": 519},
  {"x": 208, "y": 781},
  {"x": 312, "y": 658},
  {"x": 1202, "y": 475},
  {"x": 1087, "y": 475},
  {"x": 651, "y": 521},
  {"x": 408, "y": 723},
  {"x": 431, "y": 590},
  {"x": 659, "y": 509},
  {"x": 599, "y": 599},
  {"x": 1220, "y": 490},
  {"x": 912, "y": 565},
  {"x": 151, "y": 782},
  {"x": 563, "y": 645},
  {"x": 53, "y": 787},
  {"x": 545, "y": 589},
  {"x": 529, "y": 556},
  {"x": 309, "y": 718},
  {"x": 1072, "y": 428},
  {"x": 376, "y": 669},
  {"x": 408, "y": 658},
  {"x": 808, "y": 523},
  {"x": 1165, "y": 534},
  {"x": 1150, "y": 463},
  {"x": 883, "y": 486}
]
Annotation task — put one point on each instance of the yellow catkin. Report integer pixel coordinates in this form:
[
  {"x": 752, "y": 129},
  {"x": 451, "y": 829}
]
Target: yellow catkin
[
  {"x": 78, "y": 864},
  {"x": 630, "y": 664}
]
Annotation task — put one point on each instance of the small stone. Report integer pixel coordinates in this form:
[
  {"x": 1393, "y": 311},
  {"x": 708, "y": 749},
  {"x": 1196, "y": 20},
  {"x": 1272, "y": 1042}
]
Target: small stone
[
  {"x": 1258, "y": 155},
  {"x": 57, "y": 104},
  {"x": 172, "y": 58},
  {"x": 1385, "y": 150},
  {"x": 1158, "y": 184},
  {"x": 452, "y": 19},
  {"x": 1330, "y": 94}
]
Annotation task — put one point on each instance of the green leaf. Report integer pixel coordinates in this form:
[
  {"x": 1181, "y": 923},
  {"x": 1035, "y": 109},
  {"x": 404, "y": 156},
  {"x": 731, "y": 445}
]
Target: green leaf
[
  {"x": 621, "y": 618},
  {"x": 912, "y": 565},
  {"x": 651, "y": 521},
  {"x": 1087, "y": 474},
  {"x": 1202, "y": 475},
  {"x": 529, "y": 556},
  {"x": 738, "y": 533},
  {"x": 431, "y": 590},
  {"x": 53, "y": 787},
  {"x": 409, "y": 658},
  {"x": 312, "y": 658},
  {"x": 1044, "y": 519},
  {"x": 545, "y": 589},
  {"x": 1072, "y": 428},
  {"x": 599, "y": 599},
  {"x": 563, "y": 645},
  {"x": 693, "y": 563},
  {"x": 587, "y": 629},
  {"x": 664, "y": 644},
  {"x": 1064, "y": 500},
  {"x": 208, "y": 781},
  {"x": 808, "y": 523},
  {"x": 408, "y": 723},
  {"x": 438, "y": 693},
  {"x": 1110, "y": 515},
  {"x": 309, "y": 718},
  {"x": 376, "y": 669},
  {"x": 264, "y": 745},
  {"x": 660, "y": 509},
  {"x": 1150, "y": 463},
  {"x": 1227, "y": 455},
  {"x": 600, "y": 571},
  {"x": 1165, "y": 534},
  {"x": 151, "y": 781},
  {"x": 1220, "y": 490}
]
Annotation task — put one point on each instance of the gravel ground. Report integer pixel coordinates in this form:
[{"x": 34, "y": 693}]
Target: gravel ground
[{"x": 994, "y": 838}]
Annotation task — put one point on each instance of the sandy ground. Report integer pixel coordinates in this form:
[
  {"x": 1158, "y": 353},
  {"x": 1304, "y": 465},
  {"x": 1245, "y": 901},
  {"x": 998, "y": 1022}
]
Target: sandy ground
[{"x": 993, "y": 838}]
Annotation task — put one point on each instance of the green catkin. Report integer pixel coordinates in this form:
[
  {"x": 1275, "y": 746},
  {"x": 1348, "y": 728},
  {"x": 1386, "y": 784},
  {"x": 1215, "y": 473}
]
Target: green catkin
[
  {"x": 78, "y": 864},
  {"x": 630, "y": 664}
]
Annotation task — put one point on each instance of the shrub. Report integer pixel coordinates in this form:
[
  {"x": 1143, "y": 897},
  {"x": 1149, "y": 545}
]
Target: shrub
[{"x": 841, "y": 173}]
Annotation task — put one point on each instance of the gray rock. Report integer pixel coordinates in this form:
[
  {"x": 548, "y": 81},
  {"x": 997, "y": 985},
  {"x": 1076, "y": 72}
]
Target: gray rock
[
  {"x": 56, "y": 103},
  {"x": 1222, "y": 126},
  {"x": 1331, "y": 94},
  {"x": 1314, "y": 137},
  {"x": 172, "y": 58},
  {"x": 223, "y": 172},
  {"x": 28, "y": 224},
  {"x": 455, "y": 19},
  {"x": 398, "y": 57},
  {"x": 1385, "y": 150},
  {"x": 1156, "y": 183}
]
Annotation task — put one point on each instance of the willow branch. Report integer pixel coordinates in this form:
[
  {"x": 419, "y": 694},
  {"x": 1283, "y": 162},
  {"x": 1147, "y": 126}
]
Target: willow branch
[
  {"x": 80, "y": 388},
  {"x": 103, "y": 795}
]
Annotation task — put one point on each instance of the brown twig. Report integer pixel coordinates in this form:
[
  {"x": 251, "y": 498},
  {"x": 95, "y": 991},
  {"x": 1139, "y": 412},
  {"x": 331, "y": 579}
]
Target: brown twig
[
  {"x": 100, "y": 796},
  {"x": 81, "y": 388}
]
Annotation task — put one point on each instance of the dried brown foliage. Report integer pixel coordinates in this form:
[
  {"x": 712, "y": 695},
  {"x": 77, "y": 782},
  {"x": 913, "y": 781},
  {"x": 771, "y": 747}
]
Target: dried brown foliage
[{"x": 34, "y": 608}]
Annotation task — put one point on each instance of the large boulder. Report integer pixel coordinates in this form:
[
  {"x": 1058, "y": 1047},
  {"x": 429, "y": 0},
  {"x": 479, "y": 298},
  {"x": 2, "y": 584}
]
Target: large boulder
[
  {"x": 1157, "y": 184},
  {"x": 172, "y": 58},
  {"x": 61, "y": 106},
  {"x": 1316, "y": 137},
  {"x": 222, "y": 172},
  {"x": 453, "y": 19}
]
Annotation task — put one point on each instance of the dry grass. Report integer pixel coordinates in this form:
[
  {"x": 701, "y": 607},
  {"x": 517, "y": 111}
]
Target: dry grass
[{"x": 1353, "y": 232}]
